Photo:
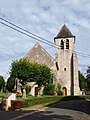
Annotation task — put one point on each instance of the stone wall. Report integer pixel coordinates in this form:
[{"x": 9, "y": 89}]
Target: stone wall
[{"x": 68, "y": 67}]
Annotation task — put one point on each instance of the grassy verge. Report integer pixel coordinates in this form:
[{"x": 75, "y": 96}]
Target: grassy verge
[
  {"x": 2, "y": 94},
  {"x": 41, "y": 100},
  {"x": 67, "y": 98},
  {"x": 46, "y": 100}
]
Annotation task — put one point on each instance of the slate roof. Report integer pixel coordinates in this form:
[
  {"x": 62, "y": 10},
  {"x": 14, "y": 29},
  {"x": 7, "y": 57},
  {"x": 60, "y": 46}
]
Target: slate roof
[
  {"x": 40, "y": 55},
  {"x": 64, "y": 32}
]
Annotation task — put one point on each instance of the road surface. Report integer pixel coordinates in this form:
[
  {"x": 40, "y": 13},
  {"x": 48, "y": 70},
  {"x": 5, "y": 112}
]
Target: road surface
[{"x": 70, "y": 110}]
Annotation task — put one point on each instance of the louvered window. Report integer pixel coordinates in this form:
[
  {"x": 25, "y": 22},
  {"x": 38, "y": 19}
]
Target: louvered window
[
  {"x": 67, "y": 44},
  {"x": 62, "y": 44}
]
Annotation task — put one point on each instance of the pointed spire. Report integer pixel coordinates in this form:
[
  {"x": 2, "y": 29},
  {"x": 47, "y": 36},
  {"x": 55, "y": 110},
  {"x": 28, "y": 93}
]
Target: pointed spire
[{"x": 64, "y": 32}]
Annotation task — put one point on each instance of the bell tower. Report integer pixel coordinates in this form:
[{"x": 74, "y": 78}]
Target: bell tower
[{"x": 67, "y": 62}]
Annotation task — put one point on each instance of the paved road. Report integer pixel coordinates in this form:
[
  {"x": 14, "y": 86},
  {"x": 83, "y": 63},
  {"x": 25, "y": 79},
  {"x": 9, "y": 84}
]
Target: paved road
[{"x": 71, "y": 110}]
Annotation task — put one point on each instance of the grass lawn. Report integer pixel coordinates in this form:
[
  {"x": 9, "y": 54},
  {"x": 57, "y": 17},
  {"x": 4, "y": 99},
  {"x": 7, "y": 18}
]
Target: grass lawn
[
  {"x": 2, "y": 94},
  {"x": 46, "y": 100}
]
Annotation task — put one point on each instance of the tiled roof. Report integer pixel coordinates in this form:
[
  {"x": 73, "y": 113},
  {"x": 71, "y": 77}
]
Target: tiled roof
[
  {"x": 64, "y": 32},
  {"x": 40, "y": 55}
]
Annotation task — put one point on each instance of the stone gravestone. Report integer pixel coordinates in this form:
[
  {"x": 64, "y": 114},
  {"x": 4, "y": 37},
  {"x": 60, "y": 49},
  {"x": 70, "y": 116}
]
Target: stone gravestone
[{"x": 18, "y": 86}]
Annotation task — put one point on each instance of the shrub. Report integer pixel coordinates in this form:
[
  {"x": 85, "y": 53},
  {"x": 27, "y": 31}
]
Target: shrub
[
  {"x": 58, "y": 89},
  {"x": 18, "y": 96},
  {"x": 14, "y": 90},
  {"x": 28, "y": 88},
  {"x": 59, "y": 92},
  {"x": 2, "y": 94},
  {"x": 29, "y": 95},
  {"x": 49, "y": 89}
]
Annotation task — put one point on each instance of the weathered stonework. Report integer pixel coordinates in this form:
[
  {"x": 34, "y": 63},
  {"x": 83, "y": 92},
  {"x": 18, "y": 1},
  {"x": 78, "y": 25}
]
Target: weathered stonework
[
  {"x": 64, "y": 66},
  {"x": 67, "y": 62}
]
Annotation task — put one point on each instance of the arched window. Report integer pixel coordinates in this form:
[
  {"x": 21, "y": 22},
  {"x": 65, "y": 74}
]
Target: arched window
[
  {"x": 64, "y": 69},
  {"x": 62, "y": 44},
  {"x": 67, "y": 44}
]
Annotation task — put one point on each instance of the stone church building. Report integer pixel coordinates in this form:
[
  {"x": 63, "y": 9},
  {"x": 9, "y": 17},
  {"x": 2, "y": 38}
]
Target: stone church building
[{"x": 65, "y": 63}]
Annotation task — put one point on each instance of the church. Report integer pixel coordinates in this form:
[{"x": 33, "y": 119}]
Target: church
[{"x": 65, "y": 63}]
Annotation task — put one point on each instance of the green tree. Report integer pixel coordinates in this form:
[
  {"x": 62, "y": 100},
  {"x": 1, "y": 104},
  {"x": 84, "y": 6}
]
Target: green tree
[
  {"x": 10, "y": 84},
  {"x": 82, "y": 81},
  {"x": 88, "y": 78},
  {"x": 20, "y": 69},
  {"x": 2, "y": 83},
  {"x": 30, "y": 72},
  {"x": 45, "y": 75}
]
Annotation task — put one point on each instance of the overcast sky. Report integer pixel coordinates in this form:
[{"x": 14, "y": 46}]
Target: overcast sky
[{"x": 44, "y": 18}]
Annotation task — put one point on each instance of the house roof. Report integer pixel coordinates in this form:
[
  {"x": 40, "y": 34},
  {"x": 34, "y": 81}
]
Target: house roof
[
  {"x": 40, "y": 55},
  {"x": 64, "y": 32}
]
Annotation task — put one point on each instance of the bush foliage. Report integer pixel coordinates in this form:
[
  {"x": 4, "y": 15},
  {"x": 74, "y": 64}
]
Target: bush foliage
[
  {"x": 49, "y": 89},
  {"x": 58, "y": 89},
  {"x": 52, "y": 89}
]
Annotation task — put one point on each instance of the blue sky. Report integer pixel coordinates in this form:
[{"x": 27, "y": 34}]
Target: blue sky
[{"x": 44, "y": 18}]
